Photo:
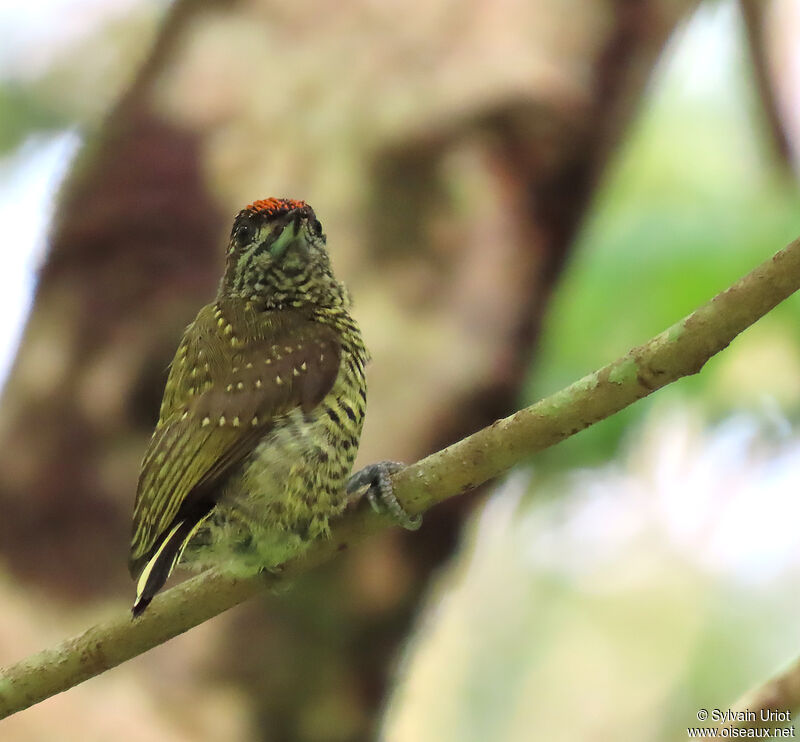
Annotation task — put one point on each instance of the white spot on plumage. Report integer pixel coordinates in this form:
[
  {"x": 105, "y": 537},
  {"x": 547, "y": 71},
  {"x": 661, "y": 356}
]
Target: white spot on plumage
[
  {"x": 240, "y": 386},
  {"x": 222, "y": 420},
  {"x": 278, "y": 380},
  {"x": 206, "y": 421},
  {"x": 235, "y": 422}
]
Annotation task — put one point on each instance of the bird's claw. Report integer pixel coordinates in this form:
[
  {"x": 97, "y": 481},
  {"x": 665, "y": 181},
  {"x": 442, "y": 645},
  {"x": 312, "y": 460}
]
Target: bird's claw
[{"x": 380, "y": 492}]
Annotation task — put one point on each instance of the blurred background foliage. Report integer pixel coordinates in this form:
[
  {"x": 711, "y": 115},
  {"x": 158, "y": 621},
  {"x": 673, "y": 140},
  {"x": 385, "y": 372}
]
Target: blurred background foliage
[
  {"x": 460, "y": 157},
  {"x": 688, "y": 206}
]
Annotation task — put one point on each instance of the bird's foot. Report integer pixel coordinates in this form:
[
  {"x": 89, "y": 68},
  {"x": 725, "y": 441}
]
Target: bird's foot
[{"x": 380, "y": 493}]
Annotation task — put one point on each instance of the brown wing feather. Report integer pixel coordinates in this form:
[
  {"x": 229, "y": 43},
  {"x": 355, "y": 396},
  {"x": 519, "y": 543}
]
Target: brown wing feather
[{"x": 225, "y": 389}]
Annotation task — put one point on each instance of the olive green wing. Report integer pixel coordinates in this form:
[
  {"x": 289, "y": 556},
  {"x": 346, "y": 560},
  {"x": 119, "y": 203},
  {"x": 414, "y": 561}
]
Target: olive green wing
[{"x": 223, "y": 395}]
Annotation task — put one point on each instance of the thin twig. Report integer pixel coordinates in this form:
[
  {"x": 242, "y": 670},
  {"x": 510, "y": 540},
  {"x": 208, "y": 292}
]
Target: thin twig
[{"x": 680, "y": 351}]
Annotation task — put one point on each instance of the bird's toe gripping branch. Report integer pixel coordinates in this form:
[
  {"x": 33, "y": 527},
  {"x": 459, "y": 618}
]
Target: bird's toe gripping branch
[{"x": 380, "y": 493}]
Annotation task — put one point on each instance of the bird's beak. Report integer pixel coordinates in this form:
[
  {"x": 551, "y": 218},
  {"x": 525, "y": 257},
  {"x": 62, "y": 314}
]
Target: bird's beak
[
  {"x": 288, "y": 236},
  {"x": 285, "y": 239}
]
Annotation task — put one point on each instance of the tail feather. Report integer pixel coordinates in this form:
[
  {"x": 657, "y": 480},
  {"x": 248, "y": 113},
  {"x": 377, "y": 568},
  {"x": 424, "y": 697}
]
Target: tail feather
[{"x": 159, "y": 567}]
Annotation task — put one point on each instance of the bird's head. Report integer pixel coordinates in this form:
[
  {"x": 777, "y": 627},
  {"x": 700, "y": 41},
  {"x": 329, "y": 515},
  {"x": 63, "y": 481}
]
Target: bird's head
[{"x": 277, "y": 256}]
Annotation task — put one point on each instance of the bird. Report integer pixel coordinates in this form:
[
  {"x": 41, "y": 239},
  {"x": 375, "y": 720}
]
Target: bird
[{"x": 262, "y": 412}]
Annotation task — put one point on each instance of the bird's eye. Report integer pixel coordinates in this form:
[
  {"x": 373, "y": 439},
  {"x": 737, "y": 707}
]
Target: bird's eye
[
  {"x": 316, "y": 227},
  {"x": 244, "y": 233}
]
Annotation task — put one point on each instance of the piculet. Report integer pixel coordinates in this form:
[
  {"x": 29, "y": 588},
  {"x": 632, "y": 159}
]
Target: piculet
[{"x": 262, "y": 412}]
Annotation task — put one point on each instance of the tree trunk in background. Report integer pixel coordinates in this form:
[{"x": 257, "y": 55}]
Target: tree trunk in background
[
  {"x": 470, "y": 208},
  {"x": 754, "y": 15}
]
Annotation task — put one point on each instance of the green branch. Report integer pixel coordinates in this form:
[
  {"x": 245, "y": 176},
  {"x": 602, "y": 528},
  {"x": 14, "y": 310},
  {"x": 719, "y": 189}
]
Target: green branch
[{"x": 679, "y": 351}]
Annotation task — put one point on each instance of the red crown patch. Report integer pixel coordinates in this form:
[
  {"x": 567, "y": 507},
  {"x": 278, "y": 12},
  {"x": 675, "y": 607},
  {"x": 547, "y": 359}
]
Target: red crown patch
[{"x": 274, "y": 206}]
